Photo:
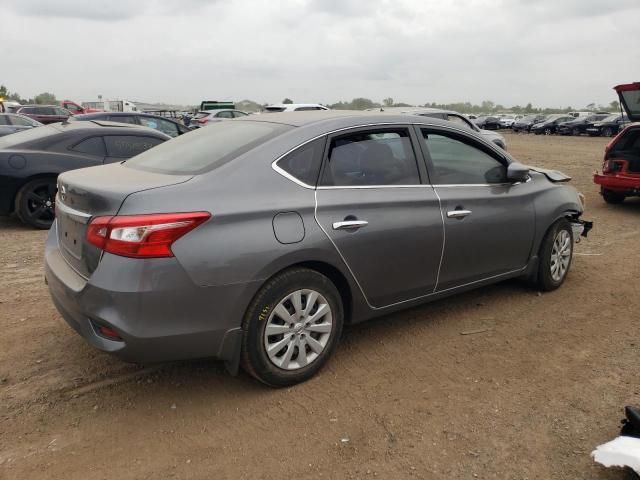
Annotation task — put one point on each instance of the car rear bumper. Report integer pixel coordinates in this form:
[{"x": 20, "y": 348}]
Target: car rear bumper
[
  {"x": 619, "y": 183},
  {"x": 156, "y": 310}
]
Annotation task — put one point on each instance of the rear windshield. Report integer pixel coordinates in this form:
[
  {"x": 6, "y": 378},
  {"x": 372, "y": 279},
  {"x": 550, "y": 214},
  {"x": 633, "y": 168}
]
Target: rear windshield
[
  {"x": 274, "y": 109},
  {"x": 207, "y": 148},
  {"x": 10, "y": 141},
  {"x": 202, "y": 114}
]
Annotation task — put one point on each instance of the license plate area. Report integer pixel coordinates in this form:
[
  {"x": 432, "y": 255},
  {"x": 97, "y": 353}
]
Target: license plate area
[{"x": 71, "y": 235}]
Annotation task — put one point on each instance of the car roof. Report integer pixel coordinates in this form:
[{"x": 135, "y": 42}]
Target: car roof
[
  {"x": 338, "y": 118},
  {"x": 38, "y": 105}
]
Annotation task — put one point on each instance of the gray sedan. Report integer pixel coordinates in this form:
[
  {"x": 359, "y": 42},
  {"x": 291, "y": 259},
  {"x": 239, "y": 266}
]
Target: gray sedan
[{"x": 255, "y": 241}]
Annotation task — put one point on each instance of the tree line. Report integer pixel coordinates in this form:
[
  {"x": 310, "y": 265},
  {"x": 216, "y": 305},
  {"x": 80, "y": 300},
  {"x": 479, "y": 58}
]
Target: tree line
[{"x": 362, "y": 103}]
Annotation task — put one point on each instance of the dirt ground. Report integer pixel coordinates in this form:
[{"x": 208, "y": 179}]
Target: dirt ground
[{"x": 406, "y": 396}]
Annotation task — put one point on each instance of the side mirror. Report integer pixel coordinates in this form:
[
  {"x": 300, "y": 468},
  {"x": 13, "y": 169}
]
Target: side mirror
[{"x": 516, "y": 172}]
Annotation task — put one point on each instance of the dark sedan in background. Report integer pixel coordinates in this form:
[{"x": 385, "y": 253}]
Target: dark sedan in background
[
  {"x": 12, "y": 123},
  {"x": 30, "y": 161},
  {"x": 549, "y": 126},
  {"x": 45, "y": 113},
  {"x": 578, "y": 126},
  {"x": 488, "y": 122},
  {"x": 524, "y": 124},
  {"x": 255, "y": 240},
  {"x": 165, "y": 125},
  {"x": 609, "y": 126}
]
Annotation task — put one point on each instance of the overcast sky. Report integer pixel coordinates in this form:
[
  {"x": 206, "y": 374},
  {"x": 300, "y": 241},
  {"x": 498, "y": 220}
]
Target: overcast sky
[{"x": 549, "y": 52}]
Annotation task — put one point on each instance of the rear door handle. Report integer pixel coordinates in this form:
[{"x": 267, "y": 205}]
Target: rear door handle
[
  {"x": 350, "y": 224},
  {"x": 458, "y": 213}
]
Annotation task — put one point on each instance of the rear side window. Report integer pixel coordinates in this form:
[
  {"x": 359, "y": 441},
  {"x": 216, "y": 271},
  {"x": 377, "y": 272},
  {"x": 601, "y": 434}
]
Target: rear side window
[
  {"x": 91, "y": 146},
  {"x": 306, "y": 109},
  {"x": 457, "y": 162},
  {"x": 376, "y": 157},
  {"x": 304, "y": 163},
  {"x": 207, "y": 148},
  {"x": 127, "y": 146},
  {"x": 237, "y": 114}
]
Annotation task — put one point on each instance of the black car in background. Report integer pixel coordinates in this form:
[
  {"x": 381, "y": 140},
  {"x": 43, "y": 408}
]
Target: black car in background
[
  {"x": 524, "y": 124},
  {"x": 609, "y": 126},
  {"x": 488, "y": 122},
  {"x": 578, "y": 126},
  {"x": 45, "y": 113},
  {"x": 31, "y": 161},
  {"x": 165, "y": 125},
  {"x": 549, "y": 126},
  {"x": 12, "y": 123}
]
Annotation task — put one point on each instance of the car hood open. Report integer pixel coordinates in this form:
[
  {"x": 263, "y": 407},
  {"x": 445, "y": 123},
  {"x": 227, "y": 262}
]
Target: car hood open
[{"x": 629, "y": 94}]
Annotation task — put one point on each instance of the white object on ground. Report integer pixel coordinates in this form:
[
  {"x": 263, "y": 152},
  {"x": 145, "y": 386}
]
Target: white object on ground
[{"x": 620, "y": 452}]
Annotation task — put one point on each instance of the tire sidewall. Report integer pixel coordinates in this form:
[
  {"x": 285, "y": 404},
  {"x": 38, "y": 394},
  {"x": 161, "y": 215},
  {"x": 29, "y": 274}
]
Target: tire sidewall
[
  {"x": 545, "y": 280},
  {"x": 255, "y": 358}
]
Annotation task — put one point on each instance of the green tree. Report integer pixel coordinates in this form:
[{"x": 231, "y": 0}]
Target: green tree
[
  {"x": 287, "y": 101},
  {"x": 45, "y": 98},
  {"x": 388, "y": 102},
  {"x": 614, "y": 106},
  {"x": 3, "y": 91}
]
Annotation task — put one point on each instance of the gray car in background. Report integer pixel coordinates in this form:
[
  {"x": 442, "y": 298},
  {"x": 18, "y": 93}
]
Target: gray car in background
[
  {"x": 255, "y": 241},
  {"x": 12, "y": 123},
  {"x": 449, "y": 115}
]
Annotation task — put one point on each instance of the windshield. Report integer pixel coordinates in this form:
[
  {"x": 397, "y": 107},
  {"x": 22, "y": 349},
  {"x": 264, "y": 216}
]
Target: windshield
[
  {"x": 611, "y": 118},
  {"x": 10, "y": 141},
  {"x": 207, "y": 148}
]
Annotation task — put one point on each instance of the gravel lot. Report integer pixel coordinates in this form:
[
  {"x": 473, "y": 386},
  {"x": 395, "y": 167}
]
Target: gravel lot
[{"x": 406, "y": 396}]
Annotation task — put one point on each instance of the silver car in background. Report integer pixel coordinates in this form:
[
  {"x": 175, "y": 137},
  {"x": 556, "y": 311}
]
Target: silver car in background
[
  {"x": 255, "y": 241},
  {"x": 449, "y": 115}
]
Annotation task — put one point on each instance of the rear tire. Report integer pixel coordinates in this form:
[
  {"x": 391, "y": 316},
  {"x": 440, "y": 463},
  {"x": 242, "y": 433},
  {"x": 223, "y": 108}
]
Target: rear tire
[
  {"x": 548, "y": 131},
  {"x": 607, "y": 132},
  {"x": 612, "y": 197},
  {"x": 556, "y": 253},
  {"x": 35, "y": 202},
  {"x": 575, "y": 132},
  {"x": 287, "y": 340}
]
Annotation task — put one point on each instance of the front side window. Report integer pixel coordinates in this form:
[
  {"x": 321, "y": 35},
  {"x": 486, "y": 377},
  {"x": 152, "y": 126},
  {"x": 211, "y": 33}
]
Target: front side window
[
  {"x": 126, "y": 146},
  {"x": 304, "y": 162},
  {"x": 373, "y": 157},
  {"x": 167, "y": 127},
  {"x": 457, "y": 162}
]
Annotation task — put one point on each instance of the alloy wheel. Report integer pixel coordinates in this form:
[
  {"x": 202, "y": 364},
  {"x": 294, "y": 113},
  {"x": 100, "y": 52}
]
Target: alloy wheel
[
  {"x": 298, "y": 329},
  {"x": 560, "y": 255},
  {"x": 40, "y": 200}
]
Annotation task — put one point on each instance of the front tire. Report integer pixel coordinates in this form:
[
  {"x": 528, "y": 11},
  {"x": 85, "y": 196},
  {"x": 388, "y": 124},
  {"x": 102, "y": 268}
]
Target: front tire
[
  {"x": 607, "y": 132},
  {"x": 556, "y": 253},
  {"x": 291, "y": 327},
  {"x": 35, "y": 202},
  {"x": 548, "y": 131}
]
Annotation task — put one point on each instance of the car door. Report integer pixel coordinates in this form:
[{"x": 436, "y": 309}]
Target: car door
[
  {"x": 380, "y": 214},
  {"x": 489, "y": 222}
]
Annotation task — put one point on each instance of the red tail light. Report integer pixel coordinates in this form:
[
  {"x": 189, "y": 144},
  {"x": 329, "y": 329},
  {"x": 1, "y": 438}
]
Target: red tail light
[
  {"x": 142, "y": 236},
  {"x": 202, "y": 120}
]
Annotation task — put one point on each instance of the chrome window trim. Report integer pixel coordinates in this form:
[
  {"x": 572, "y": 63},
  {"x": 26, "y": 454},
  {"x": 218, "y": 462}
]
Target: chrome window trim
[{"x": 464, "y": 131}]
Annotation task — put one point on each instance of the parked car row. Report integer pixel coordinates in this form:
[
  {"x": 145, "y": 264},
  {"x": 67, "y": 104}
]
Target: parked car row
[{"x": 596, "y": 124}]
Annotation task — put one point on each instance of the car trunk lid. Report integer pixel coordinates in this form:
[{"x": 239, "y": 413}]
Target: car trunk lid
[
  {"x": 629, "y": 95},
  {"x": 97, "y": 191}
]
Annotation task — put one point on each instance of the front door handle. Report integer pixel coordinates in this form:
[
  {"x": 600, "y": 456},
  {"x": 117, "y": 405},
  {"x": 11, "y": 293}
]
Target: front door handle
[
  {"x": 350, "y": 224},
  {"x": 458, "y": 213}
]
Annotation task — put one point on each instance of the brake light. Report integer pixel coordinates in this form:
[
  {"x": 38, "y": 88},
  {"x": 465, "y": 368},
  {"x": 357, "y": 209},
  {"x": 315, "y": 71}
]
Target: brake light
[
  {"x": 142, "y": 236},
  {"x": 202, "y": 120}
]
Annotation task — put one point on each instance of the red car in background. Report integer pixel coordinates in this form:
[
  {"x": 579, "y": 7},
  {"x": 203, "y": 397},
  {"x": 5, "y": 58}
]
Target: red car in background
[
  {"x": 76, "y": 109},
  {"x": 620, "y": 177}
]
